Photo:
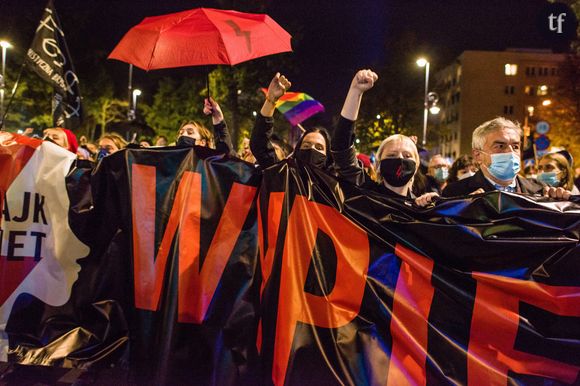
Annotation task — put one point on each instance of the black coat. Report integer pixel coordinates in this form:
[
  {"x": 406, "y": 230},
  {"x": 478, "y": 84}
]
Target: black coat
[{"x": 470, "y": 184}]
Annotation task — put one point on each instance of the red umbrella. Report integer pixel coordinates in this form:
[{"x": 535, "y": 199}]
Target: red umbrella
[{"x": 201, "y": 36}]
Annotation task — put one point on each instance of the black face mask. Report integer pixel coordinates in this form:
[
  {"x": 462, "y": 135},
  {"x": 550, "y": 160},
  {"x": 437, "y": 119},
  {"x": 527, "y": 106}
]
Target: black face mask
[
  {"x": 397, "y": 171},
  {"x": 312, "y": 157},
  {"x": 185, "y": 141}
]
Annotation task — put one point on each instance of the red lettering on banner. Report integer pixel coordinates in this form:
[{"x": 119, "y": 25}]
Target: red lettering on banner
[
  {"x": 275, "y": 202},
  {"x": 494, "y": 327},
  {"x": 409, "y": 323},
  {"x": 342, "y": 304},
  {"x": 15, "y": 152},
  {"x": 196, "y": 285}
]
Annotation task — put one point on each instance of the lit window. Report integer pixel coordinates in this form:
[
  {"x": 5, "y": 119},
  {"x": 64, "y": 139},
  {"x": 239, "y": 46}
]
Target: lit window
[
  {"x": 511, "y": 69},
  {"x": 542, "y": 90}
]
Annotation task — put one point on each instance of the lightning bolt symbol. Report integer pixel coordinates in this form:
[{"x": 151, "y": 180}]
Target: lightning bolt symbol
[
  {"x": 399, "y": 172},
  {"x": 239, "y": 32}
]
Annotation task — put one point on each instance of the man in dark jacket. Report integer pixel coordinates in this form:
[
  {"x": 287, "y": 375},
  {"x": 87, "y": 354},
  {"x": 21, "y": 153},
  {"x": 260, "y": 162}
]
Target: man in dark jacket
[{"x": 496, "y": 148}]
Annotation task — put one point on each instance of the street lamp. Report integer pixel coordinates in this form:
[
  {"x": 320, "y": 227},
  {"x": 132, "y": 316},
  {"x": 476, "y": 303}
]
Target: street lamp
[
  {"x": 422, "y": 62},
  {"x": 432, "y": 99},
  {"x": 133, "y": 108},
  {"x": 5, "y": 45}
]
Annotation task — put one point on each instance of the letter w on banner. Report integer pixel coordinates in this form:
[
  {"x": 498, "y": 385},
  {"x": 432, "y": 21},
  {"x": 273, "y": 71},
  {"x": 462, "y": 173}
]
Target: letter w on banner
[{"x": 48, "y": 56}]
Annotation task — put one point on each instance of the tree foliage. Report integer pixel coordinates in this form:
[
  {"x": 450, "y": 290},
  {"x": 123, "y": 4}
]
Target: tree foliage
[
  {"x": 564, "y": 112},
  {"x": 31, "y": 105}
]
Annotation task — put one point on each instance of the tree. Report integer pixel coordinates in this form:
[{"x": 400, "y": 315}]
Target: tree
[
  {"x": 175, "y": 102},
  {"x": 396, "y": 98},
  {"x": 563, "y": 113},
  {"x": 31, "y": 105}
]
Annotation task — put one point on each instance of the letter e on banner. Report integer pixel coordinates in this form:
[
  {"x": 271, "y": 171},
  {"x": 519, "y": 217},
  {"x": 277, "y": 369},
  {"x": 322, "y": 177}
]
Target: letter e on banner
[
  {"x": 494, "y": 327},
  {"x": 342, "y": 304}
]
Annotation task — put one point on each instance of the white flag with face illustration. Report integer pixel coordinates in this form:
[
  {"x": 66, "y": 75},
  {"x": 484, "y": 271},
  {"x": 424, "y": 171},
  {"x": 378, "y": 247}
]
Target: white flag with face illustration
[{"x": 39, "y": 252}]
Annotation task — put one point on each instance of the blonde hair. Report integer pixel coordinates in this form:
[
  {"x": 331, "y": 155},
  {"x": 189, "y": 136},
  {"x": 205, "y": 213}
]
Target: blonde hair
[
  {"x": 568, "y": 181},
  {"x": 496, "y": 124},
  {"x": 117, "y": 139},
  {"x": 394, "y": 138}
]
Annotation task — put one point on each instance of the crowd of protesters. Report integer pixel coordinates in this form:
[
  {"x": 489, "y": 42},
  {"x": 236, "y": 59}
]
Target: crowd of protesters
[{"x": 397, "y": 170}]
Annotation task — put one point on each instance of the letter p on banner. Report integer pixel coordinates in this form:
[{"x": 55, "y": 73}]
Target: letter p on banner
[{"x": 338, "y": 307}]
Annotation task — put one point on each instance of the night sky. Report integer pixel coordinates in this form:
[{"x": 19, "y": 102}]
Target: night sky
[{"x": 334, "y": 38}]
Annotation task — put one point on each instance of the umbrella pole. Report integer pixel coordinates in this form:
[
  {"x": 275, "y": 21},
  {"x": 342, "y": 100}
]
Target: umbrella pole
[
  {"x": 130, "y": 97},
  {"x": 207, "y": 82}
]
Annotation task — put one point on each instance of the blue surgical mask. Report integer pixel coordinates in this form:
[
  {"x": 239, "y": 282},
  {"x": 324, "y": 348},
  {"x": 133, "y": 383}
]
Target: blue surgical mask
[
  {"x": 441, "y": 174},
  {"x": 549, "y": 178},
  {"x": 504, "y": 166},
  {"x": 102, "y": 154}
]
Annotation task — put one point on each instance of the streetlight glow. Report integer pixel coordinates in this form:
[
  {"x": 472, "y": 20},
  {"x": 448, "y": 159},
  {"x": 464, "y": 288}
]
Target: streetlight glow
[
  {"x": 546, "y": 102},
  {"x": 378, "y": 116},
  {"x": 5, "y": 45},
  {"x": 136, "y": 92},
  {"x": 422, "y": 62},
  {"x": 434, "y": 109}
]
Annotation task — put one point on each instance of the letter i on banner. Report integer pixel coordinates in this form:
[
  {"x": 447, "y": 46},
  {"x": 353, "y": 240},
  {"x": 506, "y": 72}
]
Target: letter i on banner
[{"x": 49, "y": 57}]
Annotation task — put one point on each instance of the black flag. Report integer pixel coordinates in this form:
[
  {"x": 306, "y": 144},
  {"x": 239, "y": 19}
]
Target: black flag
[{"x": 48, "y": 56}]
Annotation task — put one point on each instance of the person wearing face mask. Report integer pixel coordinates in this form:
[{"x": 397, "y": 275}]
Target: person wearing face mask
[
  {"x": 397, "y": 159},
  {"x": 496, "y": 148},
  {"x": 313, "y": 147},
  {"x": 110, "y": 143},
  {"x": 462, "y": 168},
  {"x": 554, "y": 170},
  {"x": 193, "y": 133},
  {"x": 437, "y": 173}
]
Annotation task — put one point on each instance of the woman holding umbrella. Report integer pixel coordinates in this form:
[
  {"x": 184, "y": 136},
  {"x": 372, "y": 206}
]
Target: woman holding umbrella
[
  {"x": 193, "y": 133},
  {"x": 312, "y": 148}
]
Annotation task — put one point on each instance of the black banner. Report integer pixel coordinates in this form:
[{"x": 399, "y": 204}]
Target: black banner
[
  {"x": 48, "y": 56},
  {"x": 363, "y": 289},
  {"x": 202, "y": 270}
]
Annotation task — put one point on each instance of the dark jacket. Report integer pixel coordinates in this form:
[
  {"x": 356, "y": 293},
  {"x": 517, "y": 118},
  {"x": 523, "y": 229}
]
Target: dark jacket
[
  {"x": 468, "y": 185},
  {"x": 260, "y": 143},
  {"x": 223, "y": 139}
]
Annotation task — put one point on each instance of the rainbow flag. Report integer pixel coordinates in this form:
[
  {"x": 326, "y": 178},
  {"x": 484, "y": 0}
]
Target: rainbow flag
[{"x": 297, "y": 106}]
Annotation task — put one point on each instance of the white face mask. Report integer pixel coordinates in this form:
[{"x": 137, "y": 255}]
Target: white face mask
[{"x": 465, "y": 175}]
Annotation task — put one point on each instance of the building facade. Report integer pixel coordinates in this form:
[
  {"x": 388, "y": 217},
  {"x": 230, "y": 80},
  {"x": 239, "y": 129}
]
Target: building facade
[{"x": 481, "y": 85}]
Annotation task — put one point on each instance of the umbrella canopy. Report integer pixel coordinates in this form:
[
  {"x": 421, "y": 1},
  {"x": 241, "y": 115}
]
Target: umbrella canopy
[{"x": 201, "y": 36}]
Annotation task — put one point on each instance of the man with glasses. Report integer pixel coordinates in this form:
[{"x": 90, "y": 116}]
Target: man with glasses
[{"x": 496, "y": 148}]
